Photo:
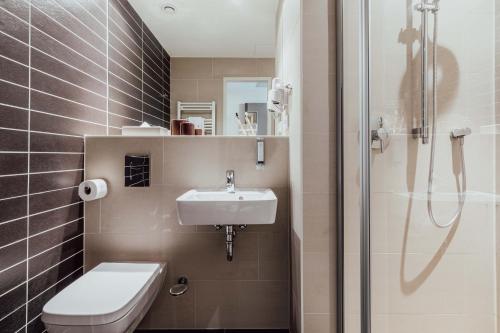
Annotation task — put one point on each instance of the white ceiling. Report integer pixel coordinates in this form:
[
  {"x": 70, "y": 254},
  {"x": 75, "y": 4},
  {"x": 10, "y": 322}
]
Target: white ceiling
[{"x": 213, "y": 28}]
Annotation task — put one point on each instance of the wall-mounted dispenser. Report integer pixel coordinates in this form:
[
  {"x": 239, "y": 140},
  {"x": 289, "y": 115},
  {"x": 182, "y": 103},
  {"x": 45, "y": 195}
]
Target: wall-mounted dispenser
[
  {"x": 277, "y": 100},
  {"x": 260, "y": 153}
]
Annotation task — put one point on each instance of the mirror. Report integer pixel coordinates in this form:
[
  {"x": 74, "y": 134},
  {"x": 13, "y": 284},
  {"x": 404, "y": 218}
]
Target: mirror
[{"x": 222, "y": 62}]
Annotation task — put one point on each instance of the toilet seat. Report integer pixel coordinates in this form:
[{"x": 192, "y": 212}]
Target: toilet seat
[{"x": 109, "y": 298}]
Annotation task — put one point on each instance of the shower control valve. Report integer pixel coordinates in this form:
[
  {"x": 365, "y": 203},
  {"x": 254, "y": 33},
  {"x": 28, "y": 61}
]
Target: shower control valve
[{"x": 379, "y": 136}]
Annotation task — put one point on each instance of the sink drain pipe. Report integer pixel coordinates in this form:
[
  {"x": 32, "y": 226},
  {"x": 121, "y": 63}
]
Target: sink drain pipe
[{"x": 230, "y": 235}]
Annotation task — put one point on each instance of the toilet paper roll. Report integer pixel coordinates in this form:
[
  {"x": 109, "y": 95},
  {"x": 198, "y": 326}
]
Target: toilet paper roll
[{"x": 93, "y": 189}]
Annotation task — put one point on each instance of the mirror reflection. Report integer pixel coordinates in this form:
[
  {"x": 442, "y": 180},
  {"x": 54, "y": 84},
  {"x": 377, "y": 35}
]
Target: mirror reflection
[{"x": 222, "y": 65}]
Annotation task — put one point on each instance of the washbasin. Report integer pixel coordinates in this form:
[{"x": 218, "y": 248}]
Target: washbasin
[{"x": 219, "y": 207}]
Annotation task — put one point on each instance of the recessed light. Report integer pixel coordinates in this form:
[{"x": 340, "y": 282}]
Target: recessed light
[{"x": 168, "y": 9}]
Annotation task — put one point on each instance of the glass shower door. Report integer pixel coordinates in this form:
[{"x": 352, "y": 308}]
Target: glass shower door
[{"x": 409, "y": 265}]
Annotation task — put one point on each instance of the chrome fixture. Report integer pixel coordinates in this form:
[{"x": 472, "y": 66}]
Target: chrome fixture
[
  {"x": 230, "y": 181},
  {"x": 230, "y": 235},
  {"x": 423, "y": 132},
  {"x": 180, "y": 288},
  {"x": 379, "y": 136},
  {"x": 260, "y": 152},
  {"x": 137, "y": 170},
  {"x": 460, "y": 133},
  {"x": 425, "y": 7}
]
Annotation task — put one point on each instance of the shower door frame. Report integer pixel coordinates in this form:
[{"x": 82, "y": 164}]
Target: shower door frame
[{"x": 364, "y": 166}]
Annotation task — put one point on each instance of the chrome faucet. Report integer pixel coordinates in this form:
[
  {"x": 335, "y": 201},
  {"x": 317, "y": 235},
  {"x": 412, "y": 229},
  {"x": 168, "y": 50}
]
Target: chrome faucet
[{"x": 230, "y": 181}]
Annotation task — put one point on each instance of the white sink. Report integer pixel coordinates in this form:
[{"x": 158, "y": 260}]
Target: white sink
[{"x": 209, "y": 207}]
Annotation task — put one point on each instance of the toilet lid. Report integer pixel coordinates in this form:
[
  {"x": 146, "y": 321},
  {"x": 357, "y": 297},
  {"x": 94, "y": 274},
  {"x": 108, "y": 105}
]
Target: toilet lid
[{"x": 102, "y": 295}]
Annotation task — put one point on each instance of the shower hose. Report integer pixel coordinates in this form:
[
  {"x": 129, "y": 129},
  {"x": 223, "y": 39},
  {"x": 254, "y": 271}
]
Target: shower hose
[{"x": 463, "y": 187}]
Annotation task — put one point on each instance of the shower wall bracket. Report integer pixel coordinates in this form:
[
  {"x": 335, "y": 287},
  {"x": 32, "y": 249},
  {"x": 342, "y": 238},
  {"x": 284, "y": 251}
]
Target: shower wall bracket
[{"x": 425, "y": 8}]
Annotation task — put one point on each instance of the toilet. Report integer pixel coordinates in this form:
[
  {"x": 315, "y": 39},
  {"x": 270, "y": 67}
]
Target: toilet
[{"x": 111, "y": 298}]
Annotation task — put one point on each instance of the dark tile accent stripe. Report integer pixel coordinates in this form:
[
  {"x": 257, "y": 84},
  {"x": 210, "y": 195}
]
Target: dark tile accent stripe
[
  {"x": 11, "y": 255},
  {"x": 260, "y": 330},
  {"x": 11, "y": 163},
  {"x": 16, "y": 7},
  {"x": 118, "y": 70},
  {"x": 65, "y": 72},
  {"x": 124, "y": 86},
  {"x": 124, "y": 21},
  {"x": 35, "y": 305},
  {"x": 13, "y": 186},
  {"x": 14, "y": 322},
  {"x": 36, "y": 326},
  {"x": 93, "y": 8},
  {"x": 14, "y": 49},
  {"x": 45, "y": 201},
  {"x": 55, "y": 86},
  {"x": 124, "y": 111},
  {"x": 51, "y": 238},
  {"x": 120, "y": 97},
  {"x": 181, "y": 331},
  {"x": 153, "y": 120},
  {"x": 12, "y": 117},
  {"x": 41, "y": 122},
  {"x": 14, "y": 208},
  {"x": 54, "y": 218},
  {"x": 117, "y": 121},
  {"x": 42, "y": 22},
  {"x": 50, "y": 258},
  {"x": 13, "y": 140},
  {"x": 88, "y": 20},
  {"x": 63, "y": 19},
  {"x": 79, "y": 56},
  {"x": 45, "y": 280},
  {"x": 13, "y": 72},
  {"x": 64, "y": 53},
  {"x": 134, "y": 67},
  {"x": 12, "y": 277},
  {"x": 55, "y": 181},
  {"x": 13, "y": 231},
  {"x": 55, "y": 162},
  {"x": 41, "y": 142},
  {"x": 124, "y": 49},
  {"x": 59, "y": 106},
  {"x": 13, "y": 95}
]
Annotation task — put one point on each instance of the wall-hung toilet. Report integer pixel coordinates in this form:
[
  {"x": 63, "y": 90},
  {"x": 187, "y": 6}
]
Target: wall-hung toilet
[{"x": 111, "y": 298}]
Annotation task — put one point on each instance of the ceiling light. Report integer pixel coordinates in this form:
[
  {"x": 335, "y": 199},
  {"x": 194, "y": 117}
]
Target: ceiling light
[{"x": 168, "y": 9}]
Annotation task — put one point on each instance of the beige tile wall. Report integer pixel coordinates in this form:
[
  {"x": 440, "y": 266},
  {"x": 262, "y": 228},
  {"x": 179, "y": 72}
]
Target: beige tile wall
[
  {"x": 497, "y": 152},
  {"x": 201, "y": 79},
  {"x": 319, "y": 166},
  {"x": 425, "y": 279},
  {"x": 305, "y": 58},
  {"x": 289, "y": 69},
  {"x": 141, "y": 224}
]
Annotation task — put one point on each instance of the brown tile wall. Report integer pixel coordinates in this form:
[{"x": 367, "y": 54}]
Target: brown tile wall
[
  {"x": 67, "y": 68},
  {"x": 141, "y": 224}
]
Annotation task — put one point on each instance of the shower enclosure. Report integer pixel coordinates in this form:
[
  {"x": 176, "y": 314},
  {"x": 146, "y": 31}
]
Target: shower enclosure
[{"x": 418, "y": 242}]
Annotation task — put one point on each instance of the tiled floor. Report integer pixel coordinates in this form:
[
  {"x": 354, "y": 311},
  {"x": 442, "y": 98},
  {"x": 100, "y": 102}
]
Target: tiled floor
[{"x": 216, "y": 331}]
